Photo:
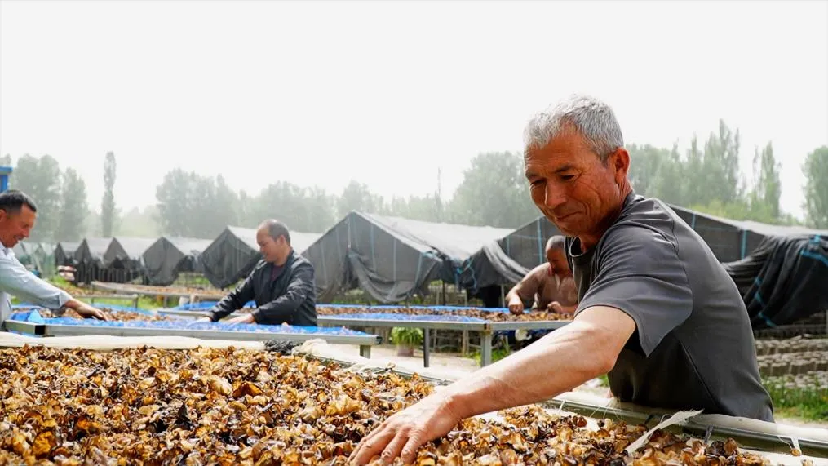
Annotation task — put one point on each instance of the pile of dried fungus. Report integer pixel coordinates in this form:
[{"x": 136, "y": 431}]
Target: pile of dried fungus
[
  {"x": 470, "y": 312},
  {"x": 231, "y": 406}
]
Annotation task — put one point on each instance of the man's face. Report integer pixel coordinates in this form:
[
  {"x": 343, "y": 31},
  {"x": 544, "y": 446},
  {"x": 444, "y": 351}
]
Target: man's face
[
  {"x": 573, "y": 188},
  {"x": 15, "y": 227},
  {"x": 558, "y": 263},
  {"x": 271, "y": 249}
]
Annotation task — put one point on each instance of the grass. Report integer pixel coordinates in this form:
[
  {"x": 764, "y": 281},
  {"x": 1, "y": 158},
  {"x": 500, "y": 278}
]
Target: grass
[
  {"x": 497, "y": 354},
  {"x": 801, "y": 402}
]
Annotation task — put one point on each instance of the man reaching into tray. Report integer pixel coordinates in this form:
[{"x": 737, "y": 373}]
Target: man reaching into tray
[
  {"x": 657, "y": 312},
  {"x": 551, "y": 282},
  {"x": 18, "y": 213},
  {"x": 282, "y": 284}
]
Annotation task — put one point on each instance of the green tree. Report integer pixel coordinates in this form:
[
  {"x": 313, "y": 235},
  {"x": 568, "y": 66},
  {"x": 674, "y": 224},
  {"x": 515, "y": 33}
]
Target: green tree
[
  {"x": 285, "y": 202},
  {"x": 767, "y": 188},
  {"x": 357, "y": 196},
  {"x": 40, "y": 178},
  {"x": 175, "y": 206},
  {"x": 74, "y": 209},
  {"x": 142, "y": 223},
  {"x": 720, "y": 177},
  {"x": 644, "y": 164},
  {"x": 494, "y": 192},
  {"x": 190, "y": 204},
  {"x": 321, "y": 214},
  {"x": 815, "y": 169},
  {"x": 108, "y": 203}
]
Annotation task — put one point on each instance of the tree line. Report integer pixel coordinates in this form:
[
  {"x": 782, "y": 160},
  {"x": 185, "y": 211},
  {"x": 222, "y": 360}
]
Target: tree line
[{"x": 706, "y": 177}]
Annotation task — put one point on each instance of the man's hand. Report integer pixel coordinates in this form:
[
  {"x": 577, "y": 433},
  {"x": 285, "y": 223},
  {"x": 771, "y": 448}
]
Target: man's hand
[
  {"x": 403, "y": 433},
  {"x": 88, "y": 311},
  {"x": 556, "y": 307},
  {"x": 516, "y": 305},
  {"x": 204, "y": 319},
  {"x": 245, "y": 319}
]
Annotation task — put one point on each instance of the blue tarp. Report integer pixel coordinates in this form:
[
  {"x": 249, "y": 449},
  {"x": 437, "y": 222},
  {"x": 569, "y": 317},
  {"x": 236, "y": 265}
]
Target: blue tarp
[{"x": 35, "y": 317}]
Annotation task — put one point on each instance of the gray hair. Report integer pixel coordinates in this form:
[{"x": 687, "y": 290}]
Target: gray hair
[
  {"x": 588, "y": 116},
  {"x": 275, "y": 229}
]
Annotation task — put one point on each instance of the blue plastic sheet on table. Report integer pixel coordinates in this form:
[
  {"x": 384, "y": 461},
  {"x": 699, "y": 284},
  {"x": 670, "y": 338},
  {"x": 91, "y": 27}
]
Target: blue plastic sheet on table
[
  {"x": 114, "y": 307},
  {"x": 215, "y": 326},
  {"x": 406, "y": 317},
  {"x": 27, "y": 316},
  {"x": 32, "y": 316},
  {"x": 205, "y": 305}
]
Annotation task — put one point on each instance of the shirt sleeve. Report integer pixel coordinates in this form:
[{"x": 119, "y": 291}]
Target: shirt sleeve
[
  {"x": 283, "y": 307},
  {"x": 639, "y": 272},
  {"x": 16, "y": 280},
  {"x": 234, "y": 300},
  {"x": 528, "y": 287}
]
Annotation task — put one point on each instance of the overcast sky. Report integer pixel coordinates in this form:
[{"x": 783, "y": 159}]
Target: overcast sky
[{"x": 387, "y": 92}]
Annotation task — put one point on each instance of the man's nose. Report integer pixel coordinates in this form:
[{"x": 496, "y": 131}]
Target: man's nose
[{"x": 554, "y": 195}]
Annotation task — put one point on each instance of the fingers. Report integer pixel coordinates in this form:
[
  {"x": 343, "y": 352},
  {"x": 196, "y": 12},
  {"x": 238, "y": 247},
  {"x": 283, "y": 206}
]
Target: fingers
[
  {"x": 409, "y": 452},
  {"x": 372, "y": 445},
  {"x": 394, "y": 447}
]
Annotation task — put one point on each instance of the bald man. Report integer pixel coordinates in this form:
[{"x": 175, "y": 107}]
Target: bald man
[
  {"x": 282, "y": 284},
  {"x": 551, "y": 282}
]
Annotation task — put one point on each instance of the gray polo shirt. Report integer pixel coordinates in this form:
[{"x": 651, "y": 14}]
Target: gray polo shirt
[{"x": 693, "y": 347}]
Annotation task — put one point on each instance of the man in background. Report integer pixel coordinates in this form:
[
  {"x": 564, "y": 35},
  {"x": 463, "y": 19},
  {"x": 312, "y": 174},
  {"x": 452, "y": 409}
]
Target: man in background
[
  {"x": 282, "y": 284},
  {"x": 17, "y": 218},
  {"x": 550, "y": 285}
]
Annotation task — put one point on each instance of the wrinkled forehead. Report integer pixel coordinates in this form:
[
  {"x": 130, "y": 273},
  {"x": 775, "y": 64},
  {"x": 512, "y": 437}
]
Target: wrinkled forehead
[{"x": 562, "y": 150}]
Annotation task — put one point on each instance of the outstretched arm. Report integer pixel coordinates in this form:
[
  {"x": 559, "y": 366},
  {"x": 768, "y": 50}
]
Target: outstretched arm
[{"x": 558, "y": 362}]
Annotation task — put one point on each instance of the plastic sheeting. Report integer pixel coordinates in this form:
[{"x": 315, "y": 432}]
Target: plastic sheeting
[
  {"x": 508, "y": 259},
  {"x": 733, "y": 240},
  {"x": 65, "y": 252},
  {"x": 232, "y": 255},
  {"x": 92, "y": 250},
  {"x": 784, "y": 279},
  {"x": 391, "y": 258},
  {"x": 169, "y": 256},
  {"x": 126, "y": 252}
]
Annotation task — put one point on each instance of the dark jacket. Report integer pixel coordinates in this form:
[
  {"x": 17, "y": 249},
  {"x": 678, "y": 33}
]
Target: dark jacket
[{"x": 290, "y": 298}]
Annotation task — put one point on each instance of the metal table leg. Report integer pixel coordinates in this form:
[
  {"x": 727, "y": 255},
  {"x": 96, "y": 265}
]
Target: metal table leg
[
  {"x": 365, "y": 351},
  {"x": 486, "y": 348},
  {"x": 426, "y": 346}
]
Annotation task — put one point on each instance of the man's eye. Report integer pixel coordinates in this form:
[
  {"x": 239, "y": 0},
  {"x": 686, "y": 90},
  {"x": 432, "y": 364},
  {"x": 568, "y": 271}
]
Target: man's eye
[
  {"x": 567, "y": 177},
  {"x": 536, "y": 182}
]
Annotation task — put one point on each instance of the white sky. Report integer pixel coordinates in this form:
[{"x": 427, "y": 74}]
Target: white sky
[{"x": 386, "y": 92}]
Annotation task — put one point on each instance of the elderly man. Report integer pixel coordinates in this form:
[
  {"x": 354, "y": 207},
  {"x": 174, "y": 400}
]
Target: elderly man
[
  {"x": 657, "y": 311},
  {"x": 17, "y": 218},
  {"x": 282, "y": 284},
  {"x": 550, "y": 284}
]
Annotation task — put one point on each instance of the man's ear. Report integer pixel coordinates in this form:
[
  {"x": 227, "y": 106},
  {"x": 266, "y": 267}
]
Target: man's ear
[{"x": 620, "y": 161}]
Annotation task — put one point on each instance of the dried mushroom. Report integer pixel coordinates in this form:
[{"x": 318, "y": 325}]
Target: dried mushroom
[
  {"x": 113, "y": 315},
  {"x": 233, "y": 406},
  {"x": 493, "y": 316}
]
